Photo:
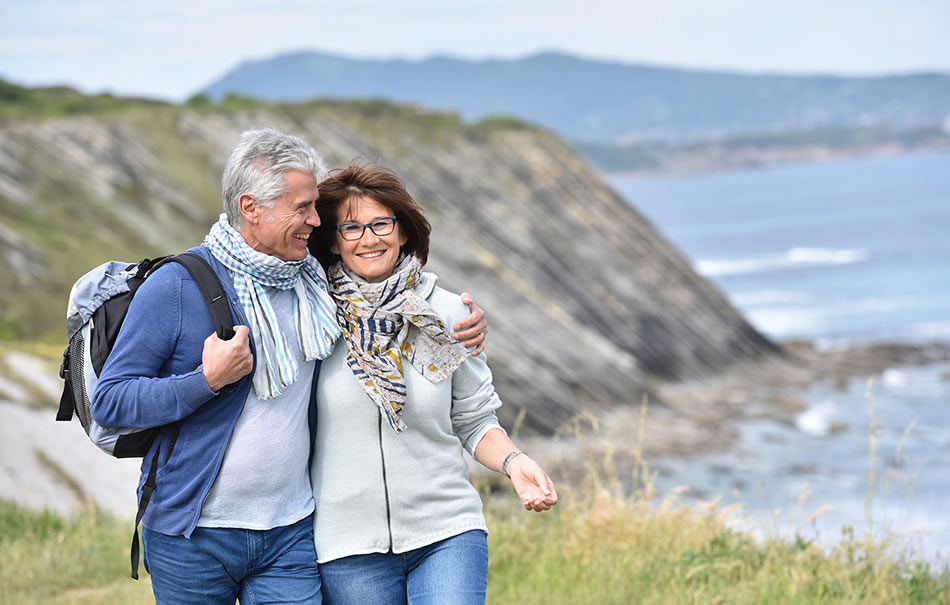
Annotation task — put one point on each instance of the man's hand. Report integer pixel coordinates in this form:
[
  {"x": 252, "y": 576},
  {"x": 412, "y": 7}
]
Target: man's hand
[
  {"x": 471, "y": 331},
  {"x": 226, "y": 361}
]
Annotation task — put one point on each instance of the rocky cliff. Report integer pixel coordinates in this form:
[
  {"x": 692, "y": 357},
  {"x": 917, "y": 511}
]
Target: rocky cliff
[{"x": 587, "y": 302}]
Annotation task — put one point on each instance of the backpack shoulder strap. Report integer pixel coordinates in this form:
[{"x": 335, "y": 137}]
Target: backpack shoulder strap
[
  {"x": 211, "y": 290},
  {"x": 213, "y": 293}
]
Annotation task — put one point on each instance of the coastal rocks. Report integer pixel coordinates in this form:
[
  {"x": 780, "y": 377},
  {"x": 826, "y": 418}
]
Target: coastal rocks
[
  {"x": 50, "y": 465},
  {"x": 588, "y": 304},
  {"x": 20, "y": 256}
]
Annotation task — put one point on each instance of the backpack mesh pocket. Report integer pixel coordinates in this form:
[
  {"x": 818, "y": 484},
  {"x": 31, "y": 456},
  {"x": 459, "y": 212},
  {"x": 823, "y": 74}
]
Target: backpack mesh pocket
[{"x": 81, "y": 397}]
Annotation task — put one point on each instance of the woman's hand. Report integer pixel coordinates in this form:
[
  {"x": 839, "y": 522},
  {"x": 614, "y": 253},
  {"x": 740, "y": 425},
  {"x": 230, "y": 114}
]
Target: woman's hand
[
  {"x": 471, "y": 331},
  {"x": 533, "y": 485}
]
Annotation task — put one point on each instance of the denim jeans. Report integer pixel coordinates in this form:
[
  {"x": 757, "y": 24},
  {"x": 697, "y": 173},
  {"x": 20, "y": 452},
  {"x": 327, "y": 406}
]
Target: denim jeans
[
  {"x": 453, "y": 571},
  {"x": 219, "y": 565}
]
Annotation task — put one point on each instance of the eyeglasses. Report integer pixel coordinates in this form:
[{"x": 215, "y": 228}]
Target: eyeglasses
[{"x": 380, "y": 227}]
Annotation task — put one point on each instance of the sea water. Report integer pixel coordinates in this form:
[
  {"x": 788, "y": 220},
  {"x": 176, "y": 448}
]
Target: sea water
[
  {"x": 855, "y": 249},
  {"x": 839, "y": 252}
]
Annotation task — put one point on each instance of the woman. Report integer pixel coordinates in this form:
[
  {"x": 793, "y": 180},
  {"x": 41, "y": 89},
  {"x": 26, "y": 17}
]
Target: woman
[{"x": 396, "y": 517}]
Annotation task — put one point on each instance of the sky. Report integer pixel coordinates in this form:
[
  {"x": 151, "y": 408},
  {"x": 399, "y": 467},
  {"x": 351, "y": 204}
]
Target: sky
[{"x": 173, "y": 48}]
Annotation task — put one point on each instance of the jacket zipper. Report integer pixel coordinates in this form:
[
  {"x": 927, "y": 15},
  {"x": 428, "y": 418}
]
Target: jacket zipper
[{"x": 382, "y": 457}]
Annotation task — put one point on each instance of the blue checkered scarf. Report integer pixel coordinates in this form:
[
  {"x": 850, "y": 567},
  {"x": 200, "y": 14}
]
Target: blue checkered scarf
[{"x": 314, "y": 309}]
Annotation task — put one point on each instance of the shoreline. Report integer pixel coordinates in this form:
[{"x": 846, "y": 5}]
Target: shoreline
[{"x": 702, "y": 416}]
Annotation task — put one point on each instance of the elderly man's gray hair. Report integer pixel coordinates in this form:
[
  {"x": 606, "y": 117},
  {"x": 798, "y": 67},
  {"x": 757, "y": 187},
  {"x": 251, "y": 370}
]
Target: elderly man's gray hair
[{"x": 257, "y": 167}]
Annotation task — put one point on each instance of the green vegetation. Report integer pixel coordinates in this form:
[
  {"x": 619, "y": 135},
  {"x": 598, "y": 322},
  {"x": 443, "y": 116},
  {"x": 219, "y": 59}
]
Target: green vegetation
[
  {"x": 199, "y": 101},
  {"x": 605, "y": 549},
  {"x": 595, "y": 547},
  {"x": 20, "y": 102},
  {"x": 139, "y": 184},
  {"x": 61, "y": 101},
  {"x": 504, "y": 122},
  {"x": 49, "y": 560}
]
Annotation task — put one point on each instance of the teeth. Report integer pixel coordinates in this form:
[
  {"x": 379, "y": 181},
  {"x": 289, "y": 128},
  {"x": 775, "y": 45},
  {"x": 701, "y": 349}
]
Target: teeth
[{"x": 370, "y": 254}]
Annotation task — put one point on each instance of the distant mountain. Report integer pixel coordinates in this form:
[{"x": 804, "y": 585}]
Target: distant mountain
[{"x": 603, "y": 101}]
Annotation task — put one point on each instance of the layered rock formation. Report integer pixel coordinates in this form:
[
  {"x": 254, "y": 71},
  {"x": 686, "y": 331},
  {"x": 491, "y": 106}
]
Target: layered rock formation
[{"x": 588, "y": 303}]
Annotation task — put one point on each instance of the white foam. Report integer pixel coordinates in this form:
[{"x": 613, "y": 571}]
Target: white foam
[
  {"x": 931, "y": 330},
  {"x": 780, "y": 322},
  {"x": 770, "y": 297},
  {"x": 785, "y": 319},
  {"x": 790, "y": 258},
  {"x": 815, "y": 421},
  {"x": 893, "y": 379}
]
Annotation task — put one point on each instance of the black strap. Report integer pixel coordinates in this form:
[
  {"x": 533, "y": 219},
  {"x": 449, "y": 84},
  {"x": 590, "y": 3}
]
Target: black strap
[
  {"x": 211, "y": 290},
  {"x": 213, "y": 293},
  {"x": 147, "y": 488},
  {"x": 66, "y": 402}
]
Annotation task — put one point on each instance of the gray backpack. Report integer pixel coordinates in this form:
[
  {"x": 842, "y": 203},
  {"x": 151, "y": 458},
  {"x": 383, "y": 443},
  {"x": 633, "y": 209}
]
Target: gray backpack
[{"x": 97, "y": 307}]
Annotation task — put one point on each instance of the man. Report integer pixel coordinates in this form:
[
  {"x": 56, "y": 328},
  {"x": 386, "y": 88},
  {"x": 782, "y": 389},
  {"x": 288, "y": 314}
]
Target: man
[{"x": 230, "y": 514}]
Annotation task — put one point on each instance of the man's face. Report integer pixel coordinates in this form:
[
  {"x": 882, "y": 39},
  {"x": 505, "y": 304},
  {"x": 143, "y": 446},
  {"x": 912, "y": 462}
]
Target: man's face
[{"x": 283, "y": 229}]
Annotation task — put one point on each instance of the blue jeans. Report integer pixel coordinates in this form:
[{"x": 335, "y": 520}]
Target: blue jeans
[
  {"x": 219, "y": 565},
  {"x": 453, "y": 571}
]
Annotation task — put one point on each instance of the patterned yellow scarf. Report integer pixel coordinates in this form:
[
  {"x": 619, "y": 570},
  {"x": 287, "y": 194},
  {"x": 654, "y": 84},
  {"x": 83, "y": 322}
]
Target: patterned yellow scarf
[{"x": 385, "y": 321}]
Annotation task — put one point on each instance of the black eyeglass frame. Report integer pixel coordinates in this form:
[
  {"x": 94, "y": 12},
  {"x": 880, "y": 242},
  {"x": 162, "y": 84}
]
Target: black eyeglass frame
[{"x": 376, "y": 221}]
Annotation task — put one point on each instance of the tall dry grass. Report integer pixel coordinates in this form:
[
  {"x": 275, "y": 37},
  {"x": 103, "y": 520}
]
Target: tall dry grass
[
  {"x": 599, "y": 545},
  {"x": 603, "y": 546}
]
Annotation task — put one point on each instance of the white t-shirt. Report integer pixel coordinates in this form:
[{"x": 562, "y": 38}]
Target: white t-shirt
[{"x": 264, "y": 481}]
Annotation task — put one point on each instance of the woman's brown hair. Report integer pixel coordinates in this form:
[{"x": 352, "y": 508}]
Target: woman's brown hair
[{"x": 383, "y": 186}]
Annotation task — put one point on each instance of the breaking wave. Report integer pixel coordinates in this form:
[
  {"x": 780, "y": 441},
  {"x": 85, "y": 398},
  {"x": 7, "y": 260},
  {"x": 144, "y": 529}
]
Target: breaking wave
[{"x": 793, "y": 257}]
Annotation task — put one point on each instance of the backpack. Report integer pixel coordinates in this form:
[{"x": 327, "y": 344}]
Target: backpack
[{"x": 98, "y": 303}]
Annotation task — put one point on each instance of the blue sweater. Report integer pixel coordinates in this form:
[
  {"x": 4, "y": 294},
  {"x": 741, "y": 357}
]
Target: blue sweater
[{"x": 153, "y": 377}]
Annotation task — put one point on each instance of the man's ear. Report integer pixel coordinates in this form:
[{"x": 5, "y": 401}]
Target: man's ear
[{"x": 249, "y": 209}]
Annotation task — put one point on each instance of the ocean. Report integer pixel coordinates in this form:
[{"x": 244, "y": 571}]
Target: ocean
[
  {"x": 846, "y": 250},
  {"x": 839, "y": 252}
]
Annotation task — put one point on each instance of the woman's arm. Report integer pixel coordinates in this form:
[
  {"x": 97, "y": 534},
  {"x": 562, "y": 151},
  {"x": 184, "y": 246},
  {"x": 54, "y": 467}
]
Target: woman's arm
[
  {"x": 533, "y": 485},
  {"x": 474, "y": 402}
]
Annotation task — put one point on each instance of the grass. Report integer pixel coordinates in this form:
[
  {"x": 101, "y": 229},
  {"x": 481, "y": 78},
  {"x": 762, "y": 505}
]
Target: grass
[
  {"x": 17, "y": 102},
  {"x": 47, "y": 559},
  {"x": 602, "y": 548},
  {"x": 595, "y": 547}
]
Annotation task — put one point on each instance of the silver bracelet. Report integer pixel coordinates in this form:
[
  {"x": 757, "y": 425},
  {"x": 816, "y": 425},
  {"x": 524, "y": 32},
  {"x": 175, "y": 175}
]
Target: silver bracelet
[{"x": 504, "y": 465}]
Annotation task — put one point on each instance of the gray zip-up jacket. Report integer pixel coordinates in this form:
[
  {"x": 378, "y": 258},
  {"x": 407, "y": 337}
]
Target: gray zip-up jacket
[{"x": 376, "y": 491}]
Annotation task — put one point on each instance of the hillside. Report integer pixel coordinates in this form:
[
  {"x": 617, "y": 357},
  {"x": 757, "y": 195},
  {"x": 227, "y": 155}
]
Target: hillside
[
  {"x": 603, "y": 101},
  {"x": 588, "y": 303}
]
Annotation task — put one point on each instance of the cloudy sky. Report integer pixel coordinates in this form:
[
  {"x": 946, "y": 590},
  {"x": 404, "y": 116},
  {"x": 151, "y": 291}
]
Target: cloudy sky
[{"x": 172, "y": 48}]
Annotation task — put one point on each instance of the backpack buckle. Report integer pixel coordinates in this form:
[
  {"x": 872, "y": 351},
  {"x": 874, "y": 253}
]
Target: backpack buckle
[{"x": 64, "y": 371}]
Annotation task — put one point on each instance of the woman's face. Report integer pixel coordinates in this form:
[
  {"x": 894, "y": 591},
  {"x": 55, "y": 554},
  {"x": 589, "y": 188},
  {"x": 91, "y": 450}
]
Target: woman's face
[{"x": 372, "y": 257}]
